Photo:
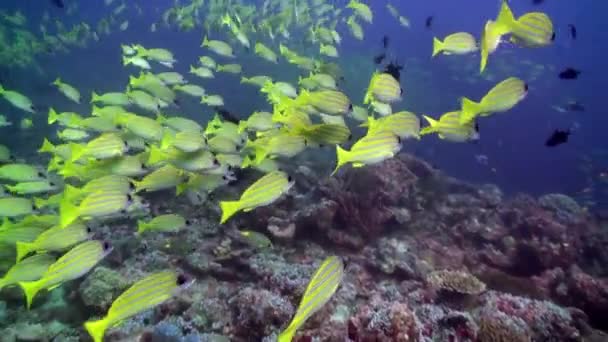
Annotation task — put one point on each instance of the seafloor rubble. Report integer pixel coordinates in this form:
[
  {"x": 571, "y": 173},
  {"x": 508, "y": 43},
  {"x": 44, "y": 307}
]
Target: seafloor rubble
[{"x": 428, "y": 258}]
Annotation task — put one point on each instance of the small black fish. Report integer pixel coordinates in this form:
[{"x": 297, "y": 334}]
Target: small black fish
[
  {"x": 58, "y": 3},
  {"x": 226, "y": 115},
  {"x": 394, "y": 69},
  {"x": 558, "y": 137},
  {"x": 569, "y": 74},
  {"x": 572, "y": 31},
  {"x": 379, "y": 58},
  {"x": 429, "y": 22},
  {"x": 385, "y": 41}
]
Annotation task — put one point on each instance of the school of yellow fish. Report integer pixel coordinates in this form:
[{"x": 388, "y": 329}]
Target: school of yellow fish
[{"x": 126, "y": 147}]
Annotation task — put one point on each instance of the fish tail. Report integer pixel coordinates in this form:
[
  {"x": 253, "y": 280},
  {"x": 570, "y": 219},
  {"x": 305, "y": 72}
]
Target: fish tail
[
  {"x": 229, "y": 208},
  {"x": 68, "y": 212},
  {"x": 205, "y": 41},
  {"x": 247, "y": 162},
  {"x": 242, "y": 126},
  {"x": 469, "y": 110},
  {"x": 94, "y": 97},
  {"x": 70, "y": 192},
  {"x": 437, "y": 46},
  {"x": 47, "y": 146},
  {"x": 40, "y": 202},
  {"x": 30, "y": 289},
  {"x": 52, "y": 116},
  {"x": 1, "y": 89},
  {"x": 57, "y": 81},
  {"x": 77, "y": 151},
  {"x": 505, "y": 19},
  {"x": 286, "y": 335},
  {"x": 125, "y": 60},
  {"x": 156, "y": 155},
  {"x": 166, "y": 140},
  {"x": 97, "y": 329},
  {"x": 431, "y": 127},
  {"x": 180, "y": 188},
  {"x": 342, "y": 158},
  {"x": 141, "y": 227},
  {"x": 23, "y": 249},
  {"x": 160, "y": 118}
]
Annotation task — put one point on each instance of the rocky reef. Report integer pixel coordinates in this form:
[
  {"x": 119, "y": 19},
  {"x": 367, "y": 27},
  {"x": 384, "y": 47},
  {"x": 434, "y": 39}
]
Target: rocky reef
[{"x": 428, "y": 258}]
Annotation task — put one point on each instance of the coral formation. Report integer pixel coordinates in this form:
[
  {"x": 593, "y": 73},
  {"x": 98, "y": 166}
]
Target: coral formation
[{"x": 456, "y": 281}]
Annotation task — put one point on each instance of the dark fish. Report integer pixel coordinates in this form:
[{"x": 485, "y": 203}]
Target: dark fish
[
  {"x": 394, "y": 69},
  {"x": 58, "y": 3},
  {"x": 226, "y": 115},
  {"x": 385, "y": 41},
  {"x": 557, "y": 138},
  {"x": 429, "y": 22},
  {"x": 569, "y": 74},
  {"x": 379, "y": 58},
  {"x": 572, "y": 31}
]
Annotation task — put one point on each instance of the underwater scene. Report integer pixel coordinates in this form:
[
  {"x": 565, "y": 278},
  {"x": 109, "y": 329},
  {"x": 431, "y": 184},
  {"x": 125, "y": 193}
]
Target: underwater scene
[{"x": 303, "y": 170}]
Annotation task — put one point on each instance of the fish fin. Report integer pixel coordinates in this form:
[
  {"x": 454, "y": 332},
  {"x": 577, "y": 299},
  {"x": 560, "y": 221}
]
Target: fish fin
[
  {"x": 125, "y": 61},
  {"x": 57, "y": 81},
  {"x": 94, "y": 97},
  {"x": 155, "y": 156},
  {"x": 437, "y": 46},
  {"x": 68, "y": 212},
  {"x": 181, "y": 188},
  {"x": 242, "y": 126},
  {"x": 30, "y": 289},
  {"x": 229, "y": 208},
  {"x": 97, "y": 329},
  {"x": 342, "y": 158},
  {"x": 70, "y": 192},
  {"x": 166, "y": 140},
  {"x": 23, "y": 249},
  {"x": 469, "y": 110}
]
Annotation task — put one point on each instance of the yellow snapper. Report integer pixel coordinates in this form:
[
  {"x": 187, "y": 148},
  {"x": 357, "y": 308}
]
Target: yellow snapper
[
  {"x": 320, "y": 289},
  {"x": 69, "y": 91},
  {"x": 459, "y": 43},
  {"x": 72, "y": 265},
  {"x": 144, "y": 295},
  {"x": 383, "y": 87},
  {"x": 107, "y": 145},
  {"x": 266, "y": 53},
  {"x": 402, "y": 124},
  {"x": 16, "y": 206},
  {"x": 19, "y": 172},
  {"x": 264, "y": 191},
  {"x": 111, "y": 99},
  {"x": 18, "y": 100},
  {"x": 29, "y": 269},
  {"x": 163, "y": 223},
  {"x": 54, "y": 239},
  {"x": 448, "y": 127},
  {"x": 95, "y": 205},
  {"x": 218, "y": 46},
  {"x": 371, "y": 149},
  {"x": 502, "y": 97}
]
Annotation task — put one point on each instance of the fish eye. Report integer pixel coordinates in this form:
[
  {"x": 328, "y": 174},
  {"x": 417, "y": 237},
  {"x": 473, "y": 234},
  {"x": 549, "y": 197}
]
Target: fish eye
[
  {"x": 60, "y": 162},
  {"x": 106, "y": 245},
  {"x": 131, "y": 184},
  {"x": 350, "y": 107},
  {"x": 51, "y": 184},
  {"x": 400, "y": 91},
  {"x": 229, "y": 168},
  {"x": 40, "y": 174},
  {"x": 34, "y": 207},
  {"x": 181, "y": 280},
  {"x": 188, "y": 222},
  {"x": 12, "y": 158},
  {"x": 224, "y": 177},
  {"x": 553, "y": 36},
  {"x": 89, "y": 230},
  {"x": 129, "y": 198},
  {"x": 216, "y": 162},
  {"x": 118, "y": 127},
  {"x": 525, "y": 86},
  {"x": 399, "y": 139},
  {"x": 289, "y": 179}
]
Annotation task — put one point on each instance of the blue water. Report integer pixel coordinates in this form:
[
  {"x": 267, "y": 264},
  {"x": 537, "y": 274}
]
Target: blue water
[{"x": 513, "y": 142}]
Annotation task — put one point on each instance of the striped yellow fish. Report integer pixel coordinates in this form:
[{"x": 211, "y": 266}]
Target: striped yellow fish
[
  {"x": 459, "y": 43},
  {"x": 325, "y": 134},
  {"x": 402, "y": 124},
  {"x": 185, "y": 141},
  {"x": 145, "y": 294},
  {"x": 370, "y": 149},
  {"x": 166, "y": 177},
  {"x": 95, "y": 205},
  {"x": 448, "y": 127},
  {"x": 502, "y": 97},
  {"x": 73, "y": 264},
  {"x": 109, "y": 183},
  {"x": 16, "y": 206},
  {"x": 533, "y": 29},
  {"x": 54, "y": 239},
  {"x": 384, "y": 88},
  {"x": 263, "y": 192},
  {"x": 319, "y": 291},
  {"x": 330, "y": 102},
  {"x": 143, "y": 127},
  {"x": 29, "y": 269},
  {"x": 105, "y": 146},
  {"x": 490, "y": 39},
  {"x": 21, "y": 233},
  {"x": 282, "y": 144}
]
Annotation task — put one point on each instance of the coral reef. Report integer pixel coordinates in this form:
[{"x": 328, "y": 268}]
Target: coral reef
[{"x": 531, "y": 270}]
